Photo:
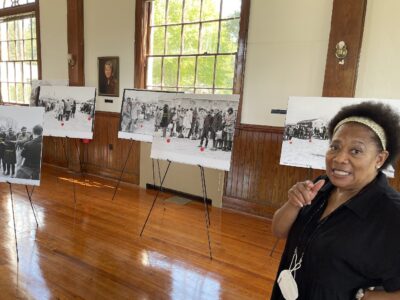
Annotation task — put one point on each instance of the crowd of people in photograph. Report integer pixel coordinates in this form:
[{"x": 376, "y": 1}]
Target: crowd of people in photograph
[
  {"x": 134, "y": 113},
  {"x": 305, "y": 131},
  {"x": 198, "y": 123},
  {"x": 20, "y": 152},
  {"x": 65, "y": 109}
]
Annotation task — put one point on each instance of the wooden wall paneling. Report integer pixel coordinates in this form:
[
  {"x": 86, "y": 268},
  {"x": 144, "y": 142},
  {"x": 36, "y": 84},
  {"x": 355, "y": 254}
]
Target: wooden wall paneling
[
  {"x": 347, "y": 24},
  {"x": 75, "y": 33},
  {"x": 53, "y": 151}
]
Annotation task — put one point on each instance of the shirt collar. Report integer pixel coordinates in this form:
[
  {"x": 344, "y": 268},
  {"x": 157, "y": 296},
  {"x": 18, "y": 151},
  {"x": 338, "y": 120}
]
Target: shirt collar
[{"x": 362, "y": 203}]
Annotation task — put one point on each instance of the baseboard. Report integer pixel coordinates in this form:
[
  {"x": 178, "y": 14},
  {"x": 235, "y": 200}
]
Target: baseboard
[{"x": 178, "y": 193}]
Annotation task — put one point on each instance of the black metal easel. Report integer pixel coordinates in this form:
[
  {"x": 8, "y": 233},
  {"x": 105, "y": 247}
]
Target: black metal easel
[
  {"x": 204, "y": 189},
  {"x": 123, "y": 169}
]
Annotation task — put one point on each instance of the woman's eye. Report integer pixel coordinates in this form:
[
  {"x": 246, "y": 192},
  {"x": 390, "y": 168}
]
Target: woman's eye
[
  {"x": 333, "y": 147},
  {"x": 355, "y": 151}
]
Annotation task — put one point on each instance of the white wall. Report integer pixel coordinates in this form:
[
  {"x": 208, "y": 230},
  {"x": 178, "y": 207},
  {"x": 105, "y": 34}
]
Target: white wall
[
  {"x": 53, "y": 36},
  {"x": 109, "y": 30},
  {"x": 286, "y": 55},
  {"x": 379, "y": 66}
]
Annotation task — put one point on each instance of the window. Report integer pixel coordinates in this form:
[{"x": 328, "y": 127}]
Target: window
[
  {"x": 191, "y": 45},
  {"x": 18, "y": 50}
]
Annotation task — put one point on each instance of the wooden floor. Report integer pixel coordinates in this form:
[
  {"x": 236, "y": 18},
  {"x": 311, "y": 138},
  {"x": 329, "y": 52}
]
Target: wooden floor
[{"x": 92, "y": 250}]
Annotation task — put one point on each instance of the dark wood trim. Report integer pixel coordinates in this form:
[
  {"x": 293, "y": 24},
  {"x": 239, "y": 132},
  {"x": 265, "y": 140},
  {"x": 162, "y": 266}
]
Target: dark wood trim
[
  {"x": 347, "y": 25},
  {"x": 241, "y": 55},
  {"x": 21, "y": 9},
  {"x": 260, "y": 128},
  {"x": 102, "y": 113},
  {"x": 75, "y": 21},
  {"x": 38, "y": 39},
  {"x": 141, "y": 34}
]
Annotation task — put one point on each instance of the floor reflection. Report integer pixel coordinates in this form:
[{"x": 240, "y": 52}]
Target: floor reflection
[{"x": 187, "y": 282}]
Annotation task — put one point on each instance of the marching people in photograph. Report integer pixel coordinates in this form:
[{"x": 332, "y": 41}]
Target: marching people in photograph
[
  {"x": 108, "y": 76},
  {"x": 341, "y": 229}
]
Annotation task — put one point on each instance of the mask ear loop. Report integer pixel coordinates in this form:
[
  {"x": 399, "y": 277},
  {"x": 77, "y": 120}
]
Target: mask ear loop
[{"x": 295, "y": 264}]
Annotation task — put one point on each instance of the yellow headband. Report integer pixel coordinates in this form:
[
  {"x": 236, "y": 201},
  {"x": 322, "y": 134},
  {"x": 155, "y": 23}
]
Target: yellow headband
[{"x": 375, "y": 127}]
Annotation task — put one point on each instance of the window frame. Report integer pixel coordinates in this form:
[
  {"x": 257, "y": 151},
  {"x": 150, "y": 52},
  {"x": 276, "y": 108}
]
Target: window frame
[
  {"x": 142, "y": 43},
  {"x": 23, "y": 9}
]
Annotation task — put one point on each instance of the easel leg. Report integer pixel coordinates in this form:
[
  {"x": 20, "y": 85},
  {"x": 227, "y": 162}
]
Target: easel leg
[
  {"x": 123, "y": 169},
  {"x": 30, "y": 200},
  {"x": 207, "y": 216},
  {"x": 159, "y": 173},
  {"x": 15, "y": 230},
  {"x": 155, "y": 198}
]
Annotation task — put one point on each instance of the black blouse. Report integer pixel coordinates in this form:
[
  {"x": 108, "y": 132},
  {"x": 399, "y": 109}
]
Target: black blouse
[{"x": 356, "y": 246}]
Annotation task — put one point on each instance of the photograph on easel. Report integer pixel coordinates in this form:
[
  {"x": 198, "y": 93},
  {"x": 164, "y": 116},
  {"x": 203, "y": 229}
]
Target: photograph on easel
[
  {"x": 305, "y": 139},
  {"x": 196, "y": 129},
  {"x": 69, "y": 111},
  {"x": 140, "y": 113},
  {"x": 21, "y": 130}
]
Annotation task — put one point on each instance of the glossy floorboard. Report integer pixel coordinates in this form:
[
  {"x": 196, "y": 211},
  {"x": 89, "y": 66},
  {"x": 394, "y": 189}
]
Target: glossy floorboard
[{"x": 91, "y": 249}]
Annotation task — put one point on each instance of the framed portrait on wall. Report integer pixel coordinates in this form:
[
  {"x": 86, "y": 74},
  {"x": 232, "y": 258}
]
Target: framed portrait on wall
[{"x": 108, "y": 74}]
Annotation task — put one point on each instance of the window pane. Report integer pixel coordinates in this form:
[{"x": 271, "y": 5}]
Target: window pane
[
  {"x": 3, "y": 68},
  {"x": 4, "y": 51},
  {"x": 187, "y": 71},
  {"x": 209, "y": 38},
  {"x": 27, "y": 28},
  {"x": 34, "y": 71},
  {"x": 11, "y": 92},
  {"x": 4, "y": 92},
  {"x": 170, "y": 89},
  {"x": 174, "y": 11},
  {"x": 11, "y": 51},
  {"x": 3, "y": 31},
  {"x": 205, "y": 71},
  {"x": 154, "y": 71},
  {"x": 210, "y": 9},
  {"x": 170, "y": 71},
  {"x": 225, "y": 71},
  {"x": 19, "y": 34},
  {"x": 11, "y": 73},
  {"x": 192, "y": 11},
  {"x": 27, "y": 72},
  {"x": 158, "y": 12},
  {"x": 229, "y": 36},
  {"x": 11, "y": 30},
  {"x": 33, "y": 27},
  {"x": 157, "y": 40},
  {"x": 19, "y": 93},
  {"x": 19, "y": 50},
  {"x": 173, "y": 40},
  {"x": 223, "y": 92},
  {"x": 186, "y": 90},
  {"x": 34, "y": 49},
  {"x": 190, "y": 39},
  {"x": 28, "y": 49},
  {"x": 27, "y": 92},
  {"x": 231, "y": 8},
  {"x": 18, "y": 72}
]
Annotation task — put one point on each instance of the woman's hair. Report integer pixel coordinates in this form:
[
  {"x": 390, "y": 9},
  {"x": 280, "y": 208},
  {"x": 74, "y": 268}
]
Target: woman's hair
[{"x": 382, "y": 114}]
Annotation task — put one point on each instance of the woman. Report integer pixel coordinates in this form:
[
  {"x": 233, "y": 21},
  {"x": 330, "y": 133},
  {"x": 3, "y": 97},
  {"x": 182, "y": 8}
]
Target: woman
[{"x": 342, "y": 229}]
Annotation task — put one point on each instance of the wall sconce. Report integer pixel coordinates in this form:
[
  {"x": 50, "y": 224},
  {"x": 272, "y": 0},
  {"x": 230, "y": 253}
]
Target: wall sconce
[
  {"x": 71, "y": 59},
  {"x": 341, "y": 52}
]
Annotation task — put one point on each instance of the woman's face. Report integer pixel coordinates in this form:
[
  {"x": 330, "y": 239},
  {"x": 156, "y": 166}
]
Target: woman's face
[
  {"x": 107, "y": 71},
  {"x": 353, "y": 157}
]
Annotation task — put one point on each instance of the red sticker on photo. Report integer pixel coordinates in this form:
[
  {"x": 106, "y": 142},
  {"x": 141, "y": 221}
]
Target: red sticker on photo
[
  {"x": 202, "y": 149},
  {"x": 89, "y": 118},
  {"x": 62, "y": 124},
  {"x": 168, "y": 140}
]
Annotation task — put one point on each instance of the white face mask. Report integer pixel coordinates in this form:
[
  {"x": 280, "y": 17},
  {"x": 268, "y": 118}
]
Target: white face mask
[{"x": 286, "y": 279}]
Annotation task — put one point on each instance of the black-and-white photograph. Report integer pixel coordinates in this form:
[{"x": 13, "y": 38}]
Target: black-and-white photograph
[
  {"x": 21, "y": 131},
  {"x": 139, "y": 111},
  {"x": 196, "y": 129},
  {"x": 38, "y": 83},
  {"x": 69, "y": 111},
  {"x": 305, "y": 138}
]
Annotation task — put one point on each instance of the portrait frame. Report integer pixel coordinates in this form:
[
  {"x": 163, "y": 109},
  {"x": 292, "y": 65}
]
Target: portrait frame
[{"x": 108, "y": 87}]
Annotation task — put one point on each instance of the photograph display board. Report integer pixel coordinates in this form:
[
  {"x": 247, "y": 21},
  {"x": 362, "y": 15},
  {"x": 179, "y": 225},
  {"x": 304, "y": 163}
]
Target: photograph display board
[
  {"x": 196, "y": 129},
  {"x": 21, "y": 141},
  {"x": 69, "y": 111},
  {"x": 139, "y": 113},
  {"x": 305, "y": 138}
]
